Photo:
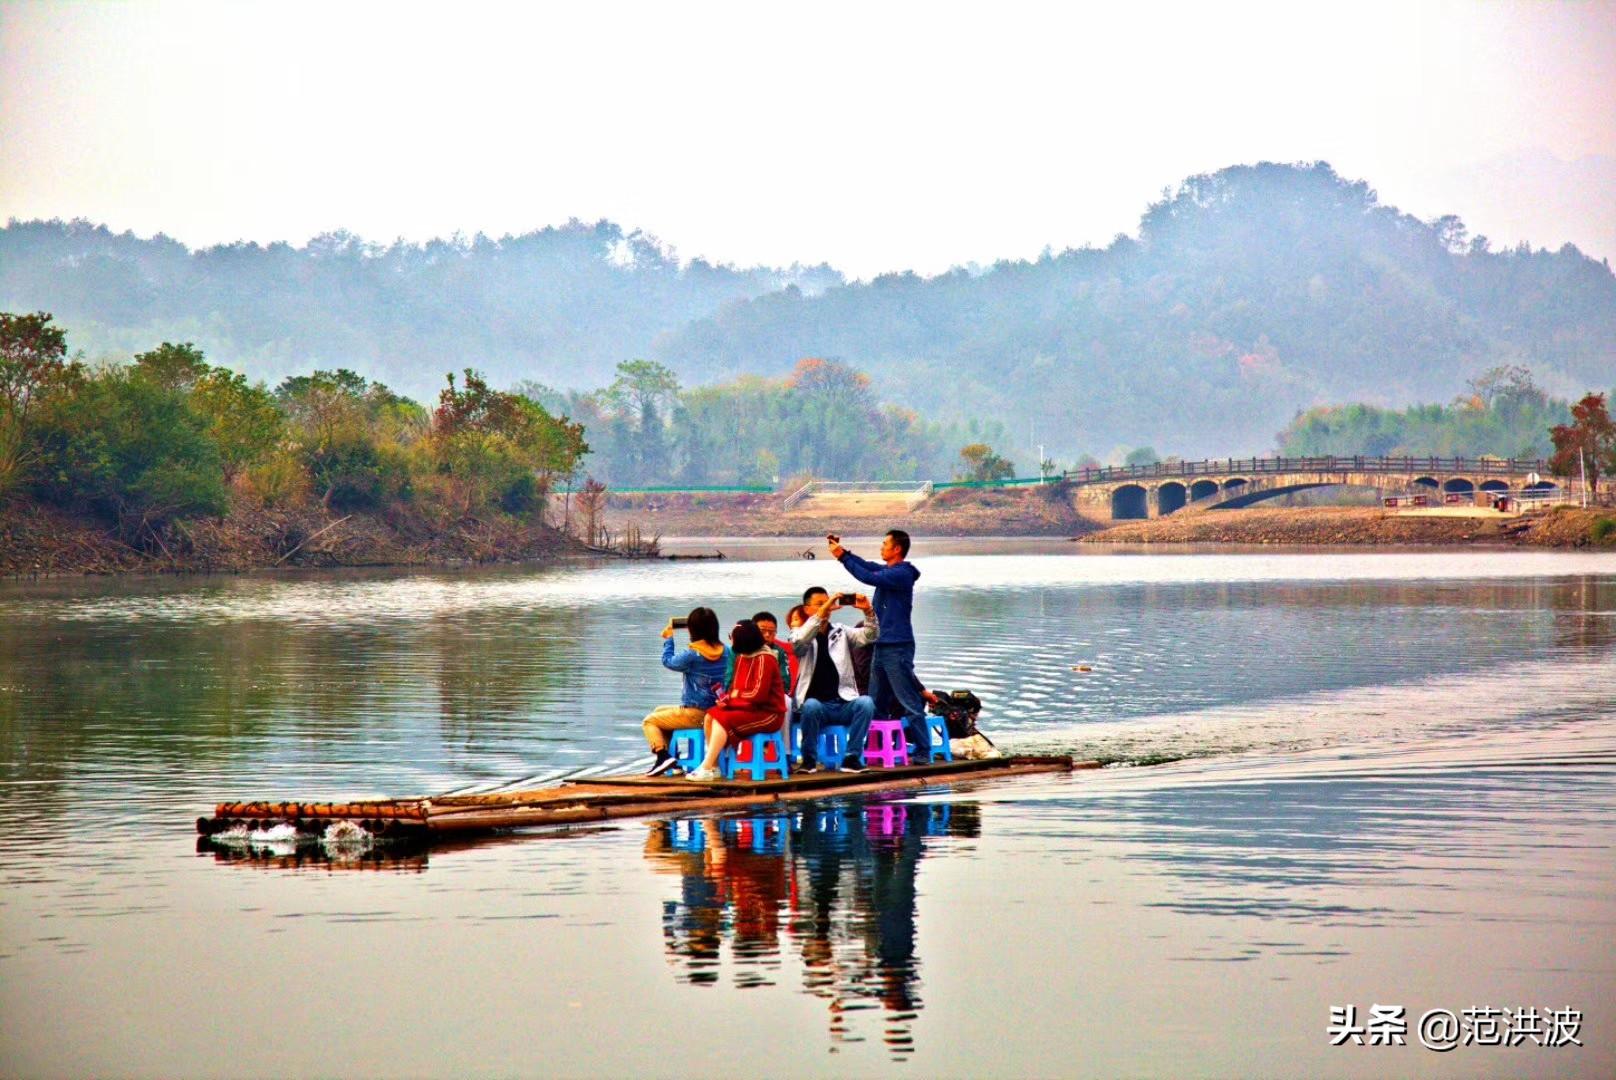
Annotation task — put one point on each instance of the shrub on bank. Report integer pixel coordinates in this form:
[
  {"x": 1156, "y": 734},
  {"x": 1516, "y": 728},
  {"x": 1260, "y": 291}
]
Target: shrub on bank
[{"x": 168, "y": 438}]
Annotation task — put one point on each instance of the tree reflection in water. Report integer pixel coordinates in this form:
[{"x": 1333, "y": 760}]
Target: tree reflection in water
[{"x": 833, "y": 883}]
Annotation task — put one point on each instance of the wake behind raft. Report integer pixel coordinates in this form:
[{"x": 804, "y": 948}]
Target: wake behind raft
[{"x": 601, "y": 798}]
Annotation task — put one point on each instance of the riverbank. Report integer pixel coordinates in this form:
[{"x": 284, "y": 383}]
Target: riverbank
[
  {"x": 1024, "y": 511},
  {"x": 42, "y": 540},
  {"x": 1049, "y": 512},
  {"x": 1329, "y": 526}
]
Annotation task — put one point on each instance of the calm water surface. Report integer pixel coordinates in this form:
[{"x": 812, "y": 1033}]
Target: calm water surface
[{"x": 1392, "y": 779}]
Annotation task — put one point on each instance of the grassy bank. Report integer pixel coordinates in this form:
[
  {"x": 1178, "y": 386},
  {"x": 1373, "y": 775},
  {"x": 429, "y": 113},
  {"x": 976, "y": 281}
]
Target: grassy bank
[{"x": 36, "y": 539}]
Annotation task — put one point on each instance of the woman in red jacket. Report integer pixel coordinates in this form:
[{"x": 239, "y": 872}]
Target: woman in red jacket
[{"x": 755, "y": 703}]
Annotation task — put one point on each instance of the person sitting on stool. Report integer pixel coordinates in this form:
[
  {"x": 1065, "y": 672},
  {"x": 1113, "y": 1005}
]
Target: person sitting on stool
[{"x": 827, "y": 691}]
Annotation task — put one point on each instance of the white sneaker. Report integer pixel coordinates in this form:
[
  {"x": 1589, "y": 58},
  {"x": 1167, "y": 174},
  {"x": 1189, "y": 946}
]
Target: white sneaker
[{"x": 704, "y": 776}]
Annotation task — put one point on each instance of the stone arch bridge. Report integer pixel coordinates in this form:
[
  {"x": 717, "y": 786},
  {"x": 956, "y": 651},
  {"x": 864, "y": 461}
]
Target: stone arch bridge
[{"x": 1148, "y": 491}]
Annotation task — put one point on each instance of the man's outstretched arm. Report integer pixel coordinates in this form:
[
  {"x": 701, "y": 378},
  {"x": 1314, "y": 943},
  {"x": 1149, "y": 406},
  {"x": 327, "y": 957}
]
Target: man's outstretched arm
[{"x": 871, "y": 573}]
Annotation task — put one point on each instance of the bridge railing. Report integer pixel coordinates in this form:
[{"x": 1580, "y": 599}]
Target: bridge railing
[{"x": 1261, "y": 466}]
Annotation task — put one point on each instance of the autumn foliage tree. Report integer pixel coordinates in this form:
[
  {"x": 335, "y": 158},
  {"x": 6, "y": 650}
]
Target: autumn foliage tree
[
  {"x": 496, "y": 448},
  {"x": 1588, "y": 442},
  {"x": 982, "y": 464}
]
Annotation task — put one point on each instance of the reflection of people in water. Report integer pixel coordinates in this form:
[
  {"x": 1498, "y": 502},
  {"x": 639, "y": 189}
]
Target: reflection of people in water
[
  {"x": 694, "y": 924},
  {"x": 846, "y": 870}
]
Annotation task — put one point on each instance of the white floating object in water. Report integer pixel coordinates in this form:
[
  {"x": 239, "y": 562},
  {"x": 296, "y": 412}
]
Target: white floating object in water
[{"x": 345, "y": 832}]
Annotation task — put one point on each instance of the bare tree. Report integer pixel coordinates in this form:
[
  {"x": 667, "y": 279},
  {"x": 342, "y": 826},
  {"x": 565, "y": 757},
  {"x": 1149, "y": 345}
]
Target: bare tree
[{"x": 591, "y": 508}]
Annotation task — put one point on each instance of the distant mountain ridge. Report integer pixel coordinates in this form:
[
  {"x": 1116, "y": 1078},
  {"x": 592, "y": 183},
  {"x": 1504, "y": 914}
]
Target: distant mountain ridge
[
  {"x": 563, "y": 304},
  {"x": 1247, "y": 294}
]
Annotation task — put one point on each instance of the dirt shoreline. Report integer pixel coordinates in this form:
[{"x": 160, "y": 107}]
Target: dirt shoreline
[
  {"x": 1345, "y": 526},
  {"x": 1030, "y": 511},
  {"x": 42, "y": 541},
  {"x": 1048, "y": 512},
  {"x": 39, "y": 541}
]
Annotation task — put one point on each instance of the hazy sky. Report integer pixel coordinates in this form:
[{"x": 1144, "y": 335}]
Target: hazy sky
[{"x": 872, "y": 136}]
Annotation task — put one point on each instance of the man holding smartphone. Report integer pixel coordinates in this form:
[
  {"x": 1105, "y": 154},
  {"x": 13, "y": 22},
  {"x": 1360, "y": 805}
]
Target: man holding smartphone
[
  {"x": 827, "y": 686},
  {"x": 892, "y": 664}
]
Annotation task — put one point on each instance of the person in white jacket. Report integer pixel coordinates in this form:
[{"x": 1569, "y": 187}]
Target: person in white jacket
[{"x": 827, "y": 691}]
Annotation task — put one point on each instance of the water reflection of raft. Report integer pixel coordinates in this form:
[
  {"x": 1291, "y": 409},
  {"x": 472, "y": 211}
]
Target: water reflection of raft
[{"x": 600, "y": 798}]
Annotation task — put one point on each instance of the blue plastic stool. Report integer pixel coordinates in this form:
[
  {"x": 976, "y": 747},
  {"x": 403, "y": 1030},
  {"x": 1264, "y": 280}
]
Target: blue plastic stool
[
  {"x": 759, "y": 766},
  {"x": 768, "y": 834},
  {"x": 832, "y": 821},
  {"x": 832, "y": 745},
  {"x": 939, "y": 740},
  {"x": 688, "y": 836},
  {"x": 688, "y": 746}
]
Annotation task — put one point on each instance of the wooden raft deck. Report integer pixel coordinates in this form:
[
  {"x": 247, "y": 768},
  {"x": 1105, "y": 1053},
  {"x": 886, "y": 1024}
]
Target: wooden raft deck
[{"x": 602, "y": 798}]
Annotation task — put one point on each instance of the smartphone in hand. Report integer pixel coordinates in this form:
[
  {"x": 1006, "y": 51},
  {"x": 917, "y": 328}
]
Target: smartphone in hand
[
  {"x": 846, "y": 599},
  {"x": 679, "y": 622}
]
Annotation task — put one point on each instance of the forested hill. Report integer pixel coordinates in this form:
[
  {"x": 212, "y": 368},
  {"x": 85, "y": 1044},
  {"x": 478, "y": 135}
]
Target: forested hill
[
  {"x": 563, "y": 305},
  {"x": 1246, "y": 295}
]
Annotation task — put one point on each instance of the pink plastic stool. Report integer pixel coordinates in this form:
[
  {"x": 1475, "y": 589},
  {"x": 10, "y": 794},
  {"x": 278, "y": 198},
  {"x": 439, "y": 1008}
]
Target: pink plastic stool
[
  {"x": 885, "y": 819},
  {"x": 886, "y": 745}
]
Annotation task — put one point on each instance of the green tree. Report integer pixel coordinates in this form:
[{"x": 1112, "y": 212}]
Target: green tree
[
  {"x": 352, "y": 436},
  {"x": 1504, "y": 415},
  {"x": 243, "y": 419},
  {"x": 174, "y": 367},
  {"x": 837, "y": 417},
  {"x": 641, "y": 397},
  {"x": 32, "y": 360},
  {"x": 1143, "y": 455},
  {"x": 133, "y": 450},
  {"x": 496, "y": 448}
]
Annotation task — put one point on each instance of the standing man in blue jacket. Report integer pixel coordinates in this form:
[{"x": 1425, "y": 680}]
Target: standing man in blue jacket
[{"x": 892, "y": 665}]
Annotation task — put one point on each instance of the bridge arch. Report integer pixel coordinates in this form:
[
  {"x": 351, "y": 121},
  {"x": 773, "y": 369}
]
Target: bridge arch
[
  {"x": 1202, "y": 488},
  {"x": 1169, "y": 497},
  {"x": 1458, "y": 485},
  {"x": 1234, "y": 485},
  {"x": 1495, "y": 485},
  {"x": 1129, "y": 501},
  {"x": 1542, "y": 485},
  {"x": 1239, "y": 498},
  {"x": 1425, "y": 481}
]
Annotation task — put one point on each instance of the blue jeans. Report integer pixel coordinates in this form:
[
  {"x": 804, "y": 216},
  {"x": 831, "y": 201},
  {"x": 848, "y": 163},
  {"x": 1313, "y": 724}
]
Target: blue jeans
[
  {"x": 892, "y": 676},
  {"x": 854, "y": 715}
]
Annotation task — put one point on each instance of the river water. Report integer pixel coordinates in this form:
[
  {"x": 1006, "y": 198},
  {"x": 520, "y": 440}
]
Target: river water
[{"x": 1337, "y": 780}]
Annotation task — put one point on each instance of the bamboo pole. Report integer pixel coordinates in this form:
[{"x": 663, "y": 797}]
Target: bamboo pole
[
  {"x": 485, "y": 818},
  {"x": 596, "y": 800}
]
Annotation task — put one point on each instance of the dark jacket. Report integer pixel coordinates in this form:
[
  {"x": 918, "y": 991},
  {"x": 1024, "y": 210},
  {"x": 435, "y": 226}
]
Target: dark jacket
[{"x": 894, "y": 596}]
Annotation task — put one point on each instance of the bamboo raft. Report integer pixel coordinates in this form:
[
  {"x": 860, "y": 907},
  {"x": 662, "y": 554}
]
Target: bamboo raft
[{"x": 602, "y": 798}]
